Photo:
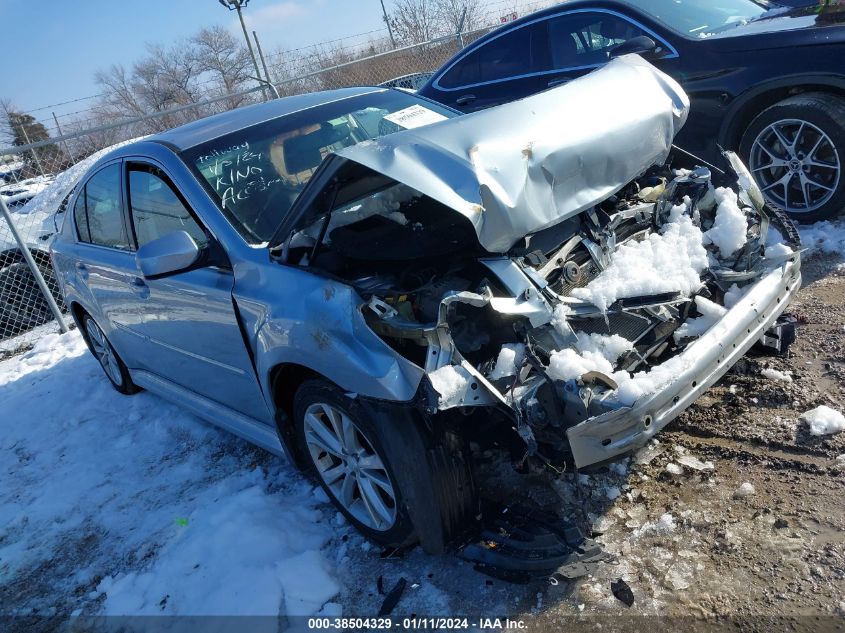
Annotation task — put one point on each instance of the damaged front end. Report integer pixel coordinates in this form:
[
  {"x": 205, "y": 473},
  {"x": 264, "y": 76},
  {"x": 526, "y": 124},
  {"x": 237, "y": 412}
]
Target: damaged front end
[
  {"x": 587, "y": 357},
  {"x": 556, "y": 276}
]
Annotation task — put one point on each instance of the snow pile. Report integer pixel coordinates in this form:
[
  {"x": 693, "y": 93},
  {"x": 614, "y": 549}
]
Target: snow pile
[
  {"x": 824, "y": 421},
  {"x": 692, "y": 462},
  {"x": 670, "y": 261},
  {"x": 450, "y": 382},
  {"x": 776, "y": 251},
  {"x": 774, "y": 374},
  {"x": 824, "y": 237},
  {"x": 730, "y": 227},
  {"x": 735, "y": 294},
  {"x": 509, "y": 361},
  {"x": 710, "y": 315},
  {"x": 49, "y": 199},
  {"x": 744, "y": 490},
  {"x": 559, "y": 315},
  {"x": 594, "y": 352},
  {"x": 664, "y": 526},
  {"x": 137, "y": 507}
]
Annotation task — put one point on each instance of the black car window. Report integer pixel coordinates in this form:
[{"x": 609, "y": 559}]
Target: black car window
[
  {"x": 585, "y": 38},
  {"x": 157, "y": 209},
  {"x": 100, "y": 218},
  {"x": 519, "y": 52}
]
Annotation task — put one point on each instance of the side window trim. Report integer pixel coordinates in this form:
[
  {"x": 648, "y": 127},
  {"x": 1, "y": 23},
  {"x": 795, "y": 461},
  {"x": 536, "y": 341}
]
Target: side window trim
[
  {"x": 168, "y": 181},
  {"x": 83, "y": 191},
  {"x": 657, "y": 38}
]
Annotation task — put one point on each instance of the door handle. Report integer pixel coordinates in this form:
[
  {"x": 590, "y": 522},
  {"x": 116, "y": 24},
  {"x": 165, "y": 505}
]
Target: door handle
[
  {"x": 137, "y": 282},
  {"x": 558, "y": 82},
  {"x": 465, "y": 99}
]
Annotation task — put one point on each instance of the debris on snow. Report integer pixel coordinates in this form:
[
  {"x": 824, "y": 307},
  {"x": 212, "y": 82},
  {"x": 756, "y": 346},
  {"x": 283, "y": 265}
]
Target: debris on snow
[
  {"x": 824, "y": 421},
  {"x": 622, "y": 591},
  {"x": 674, "y": 469},
  {"x": 664, "y": 526},
  {"x": 744, "y": 490},
  {"x": 694, "y": 463},
  {"x": 774, "y": 374}
]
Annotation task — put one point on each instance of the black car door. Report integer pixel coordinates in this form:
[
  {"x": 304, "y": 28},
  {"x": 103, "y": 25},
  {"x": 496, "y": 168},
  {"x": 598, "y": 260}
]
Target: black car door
[{"x": 496, "y": 71}]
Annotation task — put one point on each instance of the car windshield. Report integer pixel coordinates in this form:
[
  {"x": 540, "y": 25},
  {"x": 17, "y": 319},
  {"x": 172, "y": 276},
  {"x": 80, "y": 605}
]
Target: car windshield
[
  {"x": 255, "y": 174},
  {"x": 701, "y": 18}
]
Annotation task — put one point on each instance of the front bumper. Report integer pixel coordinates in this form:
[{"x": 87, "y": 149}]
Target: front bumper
[{"x": 706, "y": 360}]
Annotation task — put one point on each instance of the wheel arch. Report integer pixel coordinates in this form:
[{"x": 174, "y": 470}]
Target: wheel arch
[
  {"x": 751, "y": 103},
  {"x": 284, "y": 380}
]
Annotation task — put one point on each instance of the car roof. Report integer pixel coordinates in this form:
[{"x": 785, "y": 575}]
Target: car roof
[{"x": 212, "y": 127}]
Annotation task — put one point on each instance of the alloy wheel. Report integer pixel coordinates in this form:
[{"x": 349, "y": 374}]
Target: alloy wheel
[
  {"x": 349, "y": 466},
  {"x": 796, "y": 165},
  {"x": 103, "y": 351}
]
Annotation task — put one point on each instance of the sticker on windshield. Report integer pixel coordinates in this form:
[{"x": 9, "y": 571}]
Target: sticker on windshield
[{"x": 414, "y": 116}]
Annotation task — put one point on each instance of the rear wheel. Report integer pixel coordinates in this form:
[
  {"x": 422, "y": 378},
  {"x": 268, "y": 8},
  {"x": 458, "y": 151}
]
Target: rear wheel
[
  {"x": 795, "y": 151},
  {"x": 112, "y": 365}
]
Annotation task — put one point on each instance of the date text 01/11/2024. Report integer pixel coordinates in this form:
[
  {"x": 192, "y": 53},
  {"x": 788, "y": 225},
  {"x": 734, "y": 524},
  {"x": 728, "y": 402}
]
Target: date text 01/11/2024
[{"x": 416, "y": 623}]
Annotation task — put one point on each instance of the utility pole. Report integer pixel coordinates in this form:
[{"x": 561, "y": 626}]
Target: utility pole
[
  {"x": 261, "y": 56},
  {"x": 387, "y": 22},
  {"x": 236, "y": 5},
  {"x": 64, "y": 141}
]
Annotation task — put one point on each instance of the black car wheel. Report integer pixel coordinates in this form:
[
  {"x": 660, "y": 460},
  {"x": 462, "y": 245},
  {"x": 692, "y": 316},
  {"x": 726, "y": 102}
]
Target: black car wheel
[
  {"x": 113, "y": 366},
  {"x": 795, "y": 150},
  {"x": 381, "y": 470}
]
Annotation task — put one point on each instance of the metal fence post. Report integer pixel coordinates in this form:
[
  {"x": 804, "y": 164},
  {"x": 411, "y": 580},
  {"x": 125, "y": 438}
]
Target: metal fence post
[{"x": 33, "y": 267}]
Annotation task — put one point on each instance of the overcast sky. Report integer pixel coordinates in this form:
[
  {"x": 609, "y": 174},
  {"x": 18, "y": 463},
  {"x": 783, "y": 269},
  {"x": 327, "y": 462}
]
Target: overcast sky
[{"x": 51, "y": 48}]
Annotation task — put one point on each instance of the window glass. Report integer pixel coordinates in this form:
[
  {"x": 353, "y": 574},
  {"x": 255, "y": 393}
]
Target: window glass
[
  {"x": 703, "y": 18},
  {"x": 584, "y": 39},
  {"x": 256, "y": 174},
  {"x": 81, "y": 217},
  {"x": 519, "y": 52},
  {"x": 156, "y": 209},
  {"x": 103, "y": 211}
]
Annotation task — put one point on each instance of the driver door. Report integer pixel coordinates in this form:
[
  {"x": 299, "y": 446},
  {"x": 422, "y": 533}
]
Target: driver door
[{"x": 184, "y": 325}]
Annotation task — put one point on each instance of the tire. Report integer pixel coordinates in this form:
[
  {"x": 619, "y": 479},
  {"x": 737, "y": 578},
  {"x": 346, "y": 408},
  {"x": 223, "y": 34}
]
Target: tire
[
  {"x": 796, "y": 151},
  {"x": 431, "y": 497},
  {"x": 22, "y": 305},
  {"x": 112, "y": 365}
]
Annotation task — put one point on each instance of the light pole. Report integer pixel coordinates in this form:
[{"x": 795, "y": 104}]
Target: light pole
[{"x": 235, "y": 5}]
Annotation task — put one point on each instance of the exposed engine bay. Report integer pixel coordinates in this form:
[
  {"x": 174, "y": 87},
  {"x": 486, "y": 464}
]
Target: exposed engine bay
[{"x": 577, "y": 320}]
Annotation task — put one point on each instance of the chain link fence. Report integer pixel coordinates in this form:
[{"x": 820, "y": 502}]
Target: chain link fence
[{"x": 36, "y": 179}]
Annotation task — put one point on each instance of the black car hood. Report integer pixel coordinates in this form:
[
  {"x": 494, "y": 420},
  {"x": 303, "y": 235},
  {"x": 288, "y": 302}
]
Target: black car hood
[{"x": 822, "y": 25}]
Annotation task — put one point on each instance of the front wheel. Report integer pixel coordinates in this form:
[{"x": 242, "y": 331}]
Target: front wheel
[
  {"x": 346, "y": 452},
  {"x": 394, "y": 480},
  {"x": 795, "y": 151}
]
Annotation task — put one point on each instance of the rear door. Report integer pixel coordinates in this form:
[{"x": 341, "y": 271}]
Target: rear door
[
  {"x": 104, "y": 262},
  {"x": 185, "y": 325}
]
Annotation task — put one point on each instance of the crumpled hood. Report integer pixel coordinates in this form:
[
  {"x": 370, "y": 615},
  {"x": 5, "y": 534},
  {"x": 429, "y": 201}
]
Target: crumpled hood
[{"x": 520, "y": 167}]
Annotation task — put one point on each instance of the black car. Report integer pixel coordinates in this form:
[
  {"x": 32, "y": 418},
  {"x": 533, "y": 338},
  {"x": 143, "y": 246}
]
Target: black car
[{"x": 764, "y": 79}]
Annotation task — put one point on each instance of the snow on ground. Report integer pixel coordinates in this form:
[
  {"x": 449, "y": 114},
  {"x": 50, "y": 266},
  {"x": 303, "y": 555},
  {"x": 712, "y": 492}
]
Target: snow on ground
[
  {"x": 824, "y": 421},
  {"x": 824, "y": 237},
  {"x": 133, "y": 506},
  {"x": 774, "y": 374}
]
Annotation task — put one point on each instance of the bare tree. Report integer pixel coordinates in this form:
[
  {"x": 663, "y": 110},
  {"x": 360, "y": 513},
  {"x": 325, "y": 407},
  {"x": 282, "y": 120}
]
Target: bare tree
[
  {"x": 219, "y": 54},
  {"x": 450, "y": 13},
  {"x": 414, "y": 21}
]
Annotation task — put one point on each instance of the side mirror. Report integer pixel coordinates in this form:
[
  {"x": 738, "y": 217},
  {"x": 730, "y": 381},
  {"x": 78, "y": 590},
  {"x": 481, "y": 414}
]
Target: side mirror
[
  {"x": 641, "y": 45},
  {"x": 168, "y": 254}
]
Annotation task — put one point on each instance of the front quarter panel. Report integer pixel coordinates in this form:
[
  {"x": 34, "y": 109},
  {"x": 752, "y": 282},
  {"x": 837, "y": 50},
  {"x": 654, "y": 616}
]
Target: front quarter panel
[{"x": 293, "y": 316}]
